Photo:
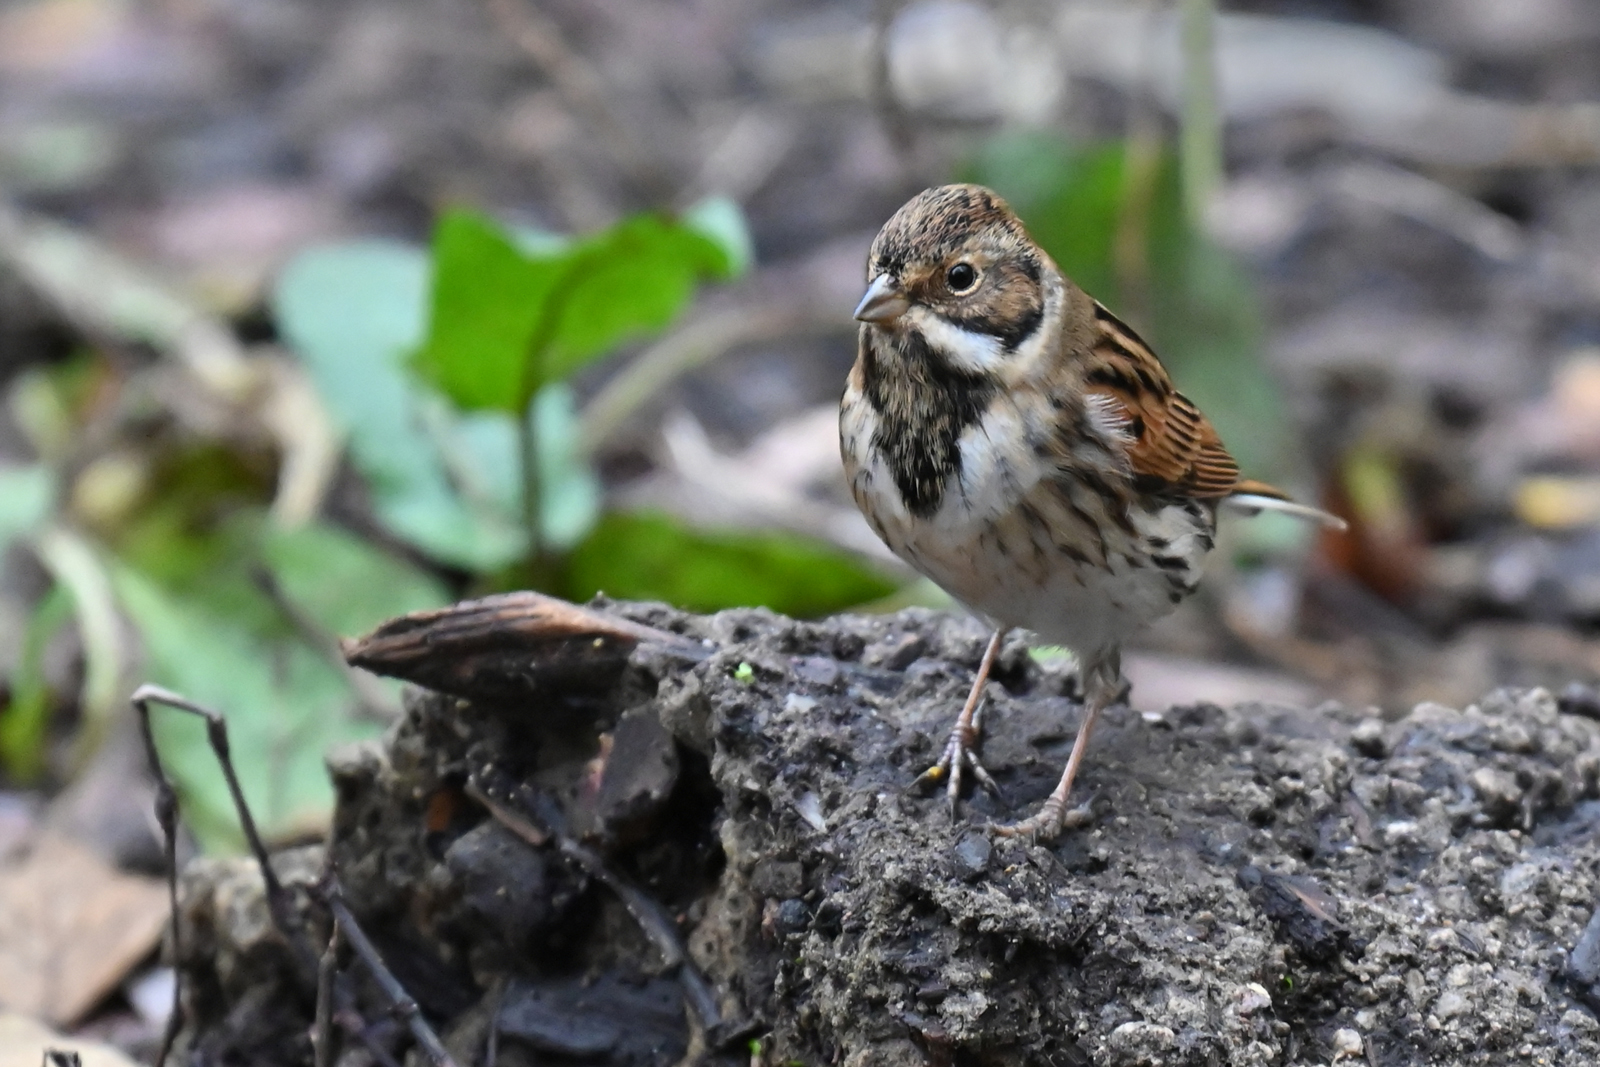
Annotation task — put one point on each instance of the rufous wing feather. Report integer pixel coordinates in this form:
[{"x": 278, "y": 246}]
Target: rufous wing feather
[{"x": 1174, "y": 446}]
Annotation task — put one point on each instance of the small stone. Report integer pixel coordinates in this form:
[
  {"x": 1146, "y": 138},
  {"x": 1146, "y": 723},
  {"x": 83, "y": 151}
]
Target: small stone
[
  {"x": 1368, "y": 739},
  {"x": 1579, "y": 1021},
  {"x": 1249, "y": 999},
  {"x": 820, "y": 671},
  {"x": 792, "y": 916},
  {"x": 1513, "y": 737},
  {"x": 1140, "y": 1042},
  {"x": 1450, "y": 1003},
  {"x": 778, "y": 878},
  {"x": 972, "y": 853},
  {"x": 1583, "y": 965},
  {"x": 895, "y": 654},
  {"x": 810, "y": 809},
  {"x": 1497, "y": 791},
  {"x": 1346, "y": 1042}
]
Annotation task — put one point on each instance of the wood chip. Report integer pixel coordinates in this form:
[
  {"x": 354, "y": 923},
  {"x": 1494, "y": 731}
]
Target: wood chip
[{"x": 508, "y": 646}]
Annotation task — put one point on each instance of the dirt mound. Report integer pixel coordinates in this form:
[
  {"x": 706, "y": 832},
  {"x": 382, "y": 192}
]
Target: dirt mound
[{"x": 1254, "y": 885}]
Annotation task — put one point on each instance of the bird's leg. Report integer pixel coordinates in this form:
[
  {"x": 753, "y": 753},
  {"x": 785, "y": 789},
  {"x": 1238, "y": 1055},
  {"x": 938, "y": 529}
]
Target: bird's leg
[
  {"x": 1101, "y": 677},
  {"x": 960, "y": 750}
]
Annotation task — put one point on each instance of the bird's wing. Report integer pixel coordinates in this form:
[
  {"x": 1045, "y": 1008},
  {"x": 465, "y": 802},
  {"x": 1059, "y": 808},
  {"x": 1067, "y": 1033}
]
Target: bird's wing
[{"x": 1172, "y": 446}]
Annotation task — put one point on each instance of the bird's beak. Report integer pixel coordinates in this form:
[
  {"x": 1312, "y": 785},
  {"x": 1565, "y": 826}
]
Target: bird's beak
[{"x": 883, "y": 302}]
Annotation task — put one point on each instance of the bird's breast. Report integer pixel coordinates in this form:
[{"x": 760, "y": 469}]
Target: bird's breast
[
  {"x": 1026, "y": 536},
  {"x": 950, "y": 478}
]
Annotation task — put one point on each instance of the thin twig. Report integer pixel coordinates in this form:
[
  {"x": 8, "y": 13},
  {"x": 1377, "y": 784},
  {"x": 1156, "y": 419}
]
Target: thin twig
[
  {"x": 167, "y": 817},
  {"x": 650, "y": 915},
  {"x": 327, "y": 975},
  {"x": 401, "y": 1003},
  {"x": 694, "y": 345},
  {"x": 278, "y": 900}
]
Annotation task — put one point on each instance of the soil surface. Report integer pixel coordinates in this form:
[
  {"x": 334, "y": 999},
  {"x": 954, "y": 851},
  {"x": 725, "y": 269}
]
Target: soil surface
[{"x": 1250, "y": 885}]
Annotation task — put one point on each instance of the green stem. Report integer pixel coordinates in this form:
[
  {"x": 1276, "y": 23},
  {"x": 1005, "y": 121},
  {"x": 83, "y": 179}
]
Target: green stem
[
  {"x": 532, "y": 483},
  {"x": 1200, "y": 150}
]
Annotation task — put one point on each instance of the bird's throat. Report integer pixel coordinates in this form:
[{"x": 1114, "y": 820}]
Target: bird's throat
[{"x": 923, "y": 405}]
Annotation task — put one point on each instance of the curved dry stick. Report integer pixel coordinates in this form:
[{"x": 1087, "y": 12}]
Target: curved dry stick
[
  {"x": 217, "y": 734},
  {"x": 652, "y": 918},
  {"x": 401, "y": 1003},
  {"x": 278, "y": 901}
]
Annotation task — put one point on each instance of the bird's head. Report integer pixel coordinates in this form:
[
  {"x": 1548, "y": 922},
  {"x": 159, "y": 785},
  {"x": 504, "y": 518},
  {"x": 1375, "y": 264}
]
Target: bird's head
[{"x": 955, "y": 267}]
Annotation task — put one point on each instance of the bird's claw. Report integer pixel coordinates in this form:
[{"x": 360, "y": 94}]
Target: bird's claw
[
  {"x": 959, "y": 757},
  {"x": 1047, "y": 823}
]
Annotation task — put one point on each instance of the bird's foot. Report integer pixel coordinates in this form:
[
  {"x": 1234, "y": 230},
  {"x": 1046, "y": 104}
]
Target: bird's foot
[
  {"x": 960, "y": 757},
  {"x": 1047, "y": 823}
]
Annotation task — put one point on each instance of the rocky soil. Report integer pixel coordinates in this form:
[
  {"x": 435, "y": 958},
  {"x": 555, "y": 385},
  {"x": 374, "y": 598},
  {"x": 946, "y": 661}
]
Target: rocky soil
[{"x": 1250, "y": 885}]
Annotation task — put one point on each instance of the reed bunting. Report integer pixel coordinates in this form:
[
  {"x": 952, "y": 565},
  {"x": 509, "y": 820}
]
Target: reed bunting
[{"x": 1017, "y": 443}]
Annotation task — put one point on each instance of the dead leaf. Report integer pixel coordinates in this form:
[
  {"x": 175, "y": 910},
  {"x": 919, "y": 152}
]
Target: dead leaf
[
  {"x": 24, "y": 1040},
  {"x": 71, "y": 928}
]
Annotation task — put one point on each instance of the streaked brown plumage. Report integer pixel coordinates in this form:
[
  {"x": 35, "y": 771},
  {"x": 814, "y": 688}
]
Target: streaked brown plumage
[{"x": 1014, "y": 441}]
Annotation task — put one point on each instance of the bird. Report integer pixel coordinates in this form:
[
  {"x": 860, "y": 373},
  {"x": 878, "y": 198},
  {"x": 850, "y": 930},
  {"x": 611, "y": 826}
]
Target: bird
[{"x": 1014, "y": 441}]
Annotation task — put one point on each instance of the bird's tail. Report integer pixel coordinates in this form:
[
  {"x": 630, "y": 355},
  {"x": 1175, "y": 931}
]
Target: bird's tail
[{"x": 1252, "y": 498}]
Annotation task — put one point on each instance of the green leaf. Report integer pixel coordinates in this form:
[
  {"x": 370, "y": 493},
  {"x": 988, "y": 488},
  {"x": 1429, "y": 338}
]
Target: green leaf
[
  {"x": 630, "y": 280},
  {"x": 489, "y": 298},
  {"x": 720, "y": 219},
  {"x": 511, "y": 313},
  {"x": 284, "y": 702},
  {"x": 648, "y": 556},
  {"x": 353, "y": 312},
  {"x": 26, "y": 496}
]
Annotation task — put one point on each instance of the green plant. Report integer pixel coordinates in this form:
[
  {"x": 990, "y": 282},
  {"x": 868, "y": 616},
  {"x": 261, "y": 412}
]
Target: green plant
[
  {"x": 176, "y": 558},
  {"x": 449, "y": 371}
]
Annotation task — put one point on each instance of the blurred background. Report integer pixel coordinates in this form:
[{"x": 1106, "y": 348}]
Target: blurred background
[{"x": 313, "y": 312}]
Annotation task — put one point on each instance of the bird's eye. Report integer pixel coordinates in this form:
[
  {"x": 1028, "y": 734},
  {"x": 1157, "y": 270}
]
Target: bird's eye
[{"x": 961, "y": 277}]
